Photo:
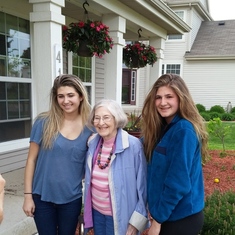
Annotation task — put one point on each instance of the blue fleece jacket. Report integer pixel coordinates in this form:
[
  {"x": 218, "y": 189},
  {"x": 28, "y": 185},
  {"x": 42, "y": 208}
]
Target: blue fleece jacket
[{"x": 175, "y": 178}]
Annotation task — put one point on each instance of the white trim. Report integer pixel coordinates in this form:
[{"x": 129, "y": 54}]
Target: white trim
[{"x": 14, "y": 145}]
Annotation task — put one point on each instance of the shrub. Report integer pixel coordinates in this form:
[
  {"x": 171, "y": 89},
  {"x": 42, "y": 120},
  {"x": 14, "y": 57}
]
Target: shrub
[
  {"x": 233, "y": 110},
  {"x": 206, "y": 116},
  {"x": 219, "y": 214},
  {"x": 214, "y": 115},
  {"x": 201, "y": 108},
  {"x": 217, "y": 109},
  {"x": 227, "y": 117}
]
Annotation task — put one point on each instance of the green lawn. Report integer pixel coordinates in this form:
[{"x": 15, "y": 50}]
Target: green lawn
[{"x": 216, "y": 144}]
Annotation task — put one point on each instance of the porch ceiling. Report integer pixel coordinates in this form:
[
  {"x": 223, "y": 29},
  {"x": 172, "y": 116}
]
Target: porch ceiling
[{"x": 153, "y": 17}]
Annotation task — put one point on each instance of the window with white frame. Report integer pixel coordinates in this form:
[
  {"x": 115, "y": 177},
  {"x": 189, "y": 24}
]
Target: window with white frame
[
  {"x": 177, "y": 36},
  {"x": 82, "y": 67},
  {"x": 15, "y": 66},
  {"x": 171, "y": 68}
]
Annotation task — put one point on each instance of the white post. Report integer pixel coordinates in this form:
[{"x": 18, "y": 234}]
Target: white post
[
  {"x": 46, "y": 38},
  {"x": 113, "y": 60}
]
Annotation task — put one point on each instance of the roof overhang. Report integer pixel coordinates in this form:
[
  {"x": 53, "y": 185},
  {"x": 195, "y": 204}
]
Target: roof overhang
[{"x": 155, "y": 18}]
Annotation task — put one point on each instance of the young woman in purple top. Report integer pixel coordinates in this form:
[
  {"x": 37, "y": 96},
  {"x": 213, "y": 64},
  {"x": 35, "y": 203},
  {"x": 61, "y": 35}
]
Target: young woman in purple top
[{"x": 56, "y": 158}]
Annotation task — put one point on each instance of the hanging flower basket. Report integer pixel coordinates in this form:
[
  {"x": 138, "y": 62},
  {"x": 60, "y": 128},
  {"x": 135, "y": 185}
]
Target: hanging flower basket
[
  {"x": 83, "y": 49},
  {"x": 94, "y": 33},
  {"x": 138, "y": 55}
]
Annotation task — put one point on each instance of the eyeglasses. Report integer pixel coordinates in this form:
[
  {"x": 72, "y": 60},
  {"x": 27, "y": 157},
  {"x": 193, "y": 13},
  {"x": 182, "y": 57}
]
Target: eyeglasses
[{"x": 105, "y": 119}]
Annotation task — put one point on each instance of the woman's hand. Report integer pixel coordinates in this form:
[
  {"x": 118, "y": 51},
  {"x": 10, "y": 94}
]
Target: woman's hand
[
  {"x": 131, "y": 230},
  {"x": 154, "y": 228},
  {"x": 29, "y": 206}
]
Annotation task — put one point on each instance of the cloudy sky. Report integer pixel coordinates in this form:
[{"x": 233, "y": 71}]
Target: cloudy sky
[{"x": 222, "y": 9}]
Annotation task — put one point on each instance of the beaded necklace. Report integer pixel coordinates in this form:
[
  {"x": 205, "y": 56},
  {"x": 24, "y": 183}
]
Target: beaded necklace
[{"x": 99, "y": 156}]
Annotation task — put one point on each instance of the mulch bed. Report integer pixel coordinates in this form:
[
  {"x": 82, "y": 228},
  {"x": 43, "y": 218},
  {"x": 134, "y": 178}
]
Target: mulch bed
[{"x": 219, "y": 172}]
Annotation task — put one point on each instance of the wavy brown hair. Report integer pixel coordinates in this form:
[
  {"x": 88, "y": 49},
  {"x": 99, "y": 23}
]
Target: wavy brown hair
[
  {"x": 54, "y": 117},
  {"x": 152, "y": 121}
]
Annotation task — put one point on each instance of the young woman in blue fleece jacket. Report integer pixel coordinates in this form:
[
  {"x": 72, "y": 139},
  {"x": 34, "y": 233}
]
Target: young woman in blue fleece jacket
[{"x": 175, "y": 139}]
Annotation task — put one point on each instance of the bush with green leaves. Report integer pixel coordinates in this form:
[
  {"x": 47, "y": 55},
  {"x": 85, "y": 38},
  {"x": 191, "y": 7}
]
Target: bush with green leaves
[
  {"x": 206, "y": 116},
  {"x": 227, "y": 117},
  {"x": 219, "y": 214},
  {"x": 214, "y": 115},
  {"x": 201, "y": 108},
  {"x": 217, "y": 109},
  {"x": 233, "y": 110}
]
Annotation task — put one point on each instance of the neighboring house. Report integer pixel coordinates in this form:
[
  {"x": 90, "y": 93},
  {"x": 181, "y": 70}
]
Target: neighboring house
[
  {"x": 204, "y": 57},
  {"x": 31, "y": 56}
]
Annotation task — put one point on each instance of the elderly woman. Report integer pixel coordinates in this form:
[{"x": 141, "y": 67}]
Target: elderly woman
[{"x": 115, "y": 179}]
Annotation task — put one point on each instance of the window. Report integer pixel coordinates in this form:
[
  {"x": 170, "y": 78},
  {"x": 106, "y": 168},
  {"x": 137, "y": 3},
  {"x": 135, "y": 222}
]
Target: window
[
  {"x": 171, "y": 68},
  {"x": 177, "y": 36},
  {"x": 82, "y": 69},
  {"x": 129, "y": 86},
  {"x": 15, "y": 47},
  {"x": 15, "y": 64}
]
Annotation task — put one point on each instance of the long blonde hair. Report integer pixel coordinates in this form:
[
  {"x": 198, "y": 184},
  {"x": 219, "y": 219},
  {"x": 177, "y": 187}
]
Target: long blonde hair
[
  {"x": 152, "y": 121},
  {"x": 54, "y": 117}
]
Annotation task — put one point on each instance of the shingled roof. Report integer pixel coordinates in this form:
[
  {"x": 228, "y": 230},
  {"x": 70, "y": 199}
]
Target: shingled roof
[{"x": 214, "y": 39}]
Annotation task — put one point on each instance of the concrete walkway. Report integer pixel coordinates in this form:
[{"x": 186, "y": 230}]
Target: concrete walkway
[{"x": 15, "y": 222}]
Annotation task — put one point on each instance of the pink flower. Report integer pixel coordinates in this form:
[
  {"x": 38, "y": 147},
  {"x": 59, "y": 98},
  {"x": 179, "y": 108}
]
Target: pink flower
[
  {"x": 81, "y": 24},
  {"x": 92, "y": 25},
  {"x": 65, "y": 28}
]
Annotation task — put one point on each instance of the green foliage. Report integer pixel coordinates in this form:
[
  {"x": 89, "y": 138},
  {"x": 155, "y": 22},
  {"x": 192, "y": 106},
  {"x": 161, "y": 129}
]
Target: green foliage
[
  {"x": 214, "y": 115},
  {"x": 95, "y": 33},
  {"x": 145, "y": 54},
  {"x": 219, "y": 214},
  {"x": 134, "y": 122},
  {"x": 201, "y": 108},
  {"x": 216, "y": 128},
  {"x": 227, "y": 117},
  {"x": 206, "y": 116},
  {"x": 233, "y": 110},
  {"x": 217, "y": 109}
]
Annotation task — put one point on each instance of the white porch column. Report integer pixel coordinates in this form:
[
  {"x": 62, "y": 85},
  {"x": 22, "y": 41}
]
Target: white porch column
[
  {"x": 156, "y": 70},
  {"x": 113, "y": 60},
  {"x": 46, "y": 49}
]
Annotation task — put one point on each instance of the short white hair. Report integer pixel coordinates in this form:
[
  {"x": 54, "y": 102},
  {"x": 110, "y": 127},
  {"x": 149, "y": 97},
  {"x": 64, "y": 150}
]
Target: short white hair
[{"x": 114, "y": 108}]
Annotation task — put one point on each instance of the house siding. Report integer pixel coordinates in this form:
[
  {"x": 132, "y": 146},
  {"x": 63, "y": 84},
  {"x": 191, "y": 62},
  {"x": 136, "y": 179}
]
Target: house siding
[
  {"x": 195, "y": 25},
  {"x": 99, "y": 79},
  {"x": 12, "y": 160},
  {"x": 211, "y": 82}
]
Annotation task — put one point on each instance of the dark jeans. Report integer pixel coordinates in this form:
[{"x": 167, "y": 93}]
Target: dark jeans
[
  {"x": 103, "y": 224},
  {"x": 56, "y": 219},
  {"x": 190, "y": 225}
]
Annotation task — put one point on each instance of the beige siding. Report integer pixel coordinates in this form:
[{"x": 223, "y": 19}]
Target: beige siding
[
  {"x": 99, "y": 79},
  {"x": 211, "y": 82},
  {"x": 13, "y": 160}
]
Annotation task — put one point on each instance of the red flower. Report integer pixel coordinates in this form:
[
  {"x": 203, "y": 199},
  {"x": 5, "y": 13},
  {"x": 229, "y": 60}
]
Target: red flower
[{"x": 81, "y": 24}]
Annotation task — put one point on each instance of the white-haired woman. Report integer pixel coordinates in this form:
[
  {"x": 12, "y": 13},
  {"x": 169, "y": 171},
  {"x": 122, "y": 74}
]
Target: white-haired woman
[{"x": 115, "y": 179}]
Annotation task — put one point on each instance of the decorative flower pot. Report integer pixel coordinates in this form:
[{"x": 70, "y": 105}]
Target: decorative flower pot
[
  {"x": 83, "y": 50},
  {"x": 135, "y": 133},
  {"x": 136, "y": 62}
]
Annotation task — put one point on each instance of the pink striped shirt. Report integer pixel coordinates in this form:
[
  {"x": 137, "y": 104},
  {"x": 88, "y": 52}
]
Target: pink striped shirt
[{"x": 99, "y": 182}]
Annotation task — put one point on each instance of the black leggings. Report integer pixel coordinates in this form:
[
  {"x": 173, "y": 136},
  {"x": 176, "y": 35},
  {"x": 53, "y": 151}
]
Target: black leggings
[{"x": 190, "y": 225}]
